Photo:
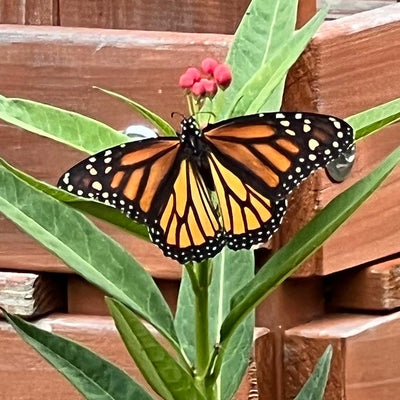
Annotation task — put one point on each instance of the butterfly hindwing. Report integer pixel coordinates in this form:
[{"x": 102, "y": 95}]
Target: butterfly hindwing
[
  {"x": 276, "y": 151},
  {"x": 248, "y": 217},
  {"x": 187, "y": 228}
]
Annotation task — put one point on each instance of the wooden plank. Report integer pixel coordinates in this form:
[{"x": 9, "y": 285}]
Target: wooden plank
[
  {"x": 375, "y": 287},
  {"x": 20, "y": 363},
  {"x": 333, "y": 77},
  {"x": 84, "y": 298},
  {"x": 365, "y": 364},
  {"x": 306, "y": 9},
  {"x": 29, "y": 12},
  {"x": 342, "y": 8},
  {"x": 31, "y": 295},
  {"x": 180, "y": 16}
]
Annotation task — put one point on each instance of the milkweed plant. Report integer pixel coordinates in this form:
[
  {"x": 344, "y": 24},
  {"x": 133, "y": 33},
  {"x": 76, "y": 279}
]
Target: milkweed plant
[{"x": 210, "y": 337}]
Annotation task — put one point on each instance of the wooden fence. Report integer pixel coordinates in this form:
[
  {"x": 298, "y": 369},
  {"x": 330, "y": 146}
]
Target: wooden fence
[{"x": 346, "y": 294}]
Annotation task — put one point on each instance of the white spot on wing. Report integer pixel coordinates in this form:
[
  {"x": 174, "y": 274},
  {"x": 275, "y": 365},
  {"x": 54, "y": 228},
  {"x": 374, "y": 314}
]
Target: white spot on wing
[{"x": 97, "y": 185}]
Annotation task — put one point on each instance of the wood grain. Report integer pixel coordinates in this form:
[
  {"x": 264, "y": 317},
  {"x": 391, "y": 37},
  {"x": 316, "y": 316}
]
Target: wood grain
[
  {"x": 375, "y": 287},
  {"x": 29, "y": 12},
  {"x": 365, "y": 356},
  {"x": 20, "y": 363},
  {"x": 333, "y": 77},
  {"x": 180, "y": 16},
  {"x": 31, "y": 295},
  {"x": 84, "y": 298},
  {"x": 342, "y": 8}
]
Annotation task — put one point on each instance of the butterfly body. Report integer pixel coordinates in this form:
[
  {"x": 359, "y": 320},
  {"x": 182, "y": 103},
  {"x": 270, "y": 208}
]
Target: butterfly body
[{"x": 251, "y": 163}]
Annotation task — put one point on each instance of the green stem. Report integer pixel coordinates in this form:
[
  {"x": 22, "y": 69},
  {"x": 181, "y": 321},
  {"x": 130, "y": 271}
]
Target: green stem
[{"x": 202, "y": 337}]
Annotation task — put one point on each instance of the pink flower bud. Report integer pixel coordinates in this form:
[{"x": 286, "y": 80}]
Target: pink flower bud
[
  {"x": 194, "y": 73},
  {"x": 198, "y": 89},
  {"x": 222, "y": 75},
  {"x": 188, "y": 78},
  {"x": 210, "y": 86},
  {"x": 186, "y": 81},
  {"x": 208, "y": 65}
]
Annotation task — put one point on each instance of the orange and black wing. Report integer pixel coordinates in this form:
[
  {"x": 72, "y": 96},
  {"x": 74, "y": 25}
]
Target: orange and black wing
[
  {"x": 152, "y": 182},
  {"x": 132, "y": 177},
  {"x": 187, "y": 228},
  {"x": 257, "y": 160}
]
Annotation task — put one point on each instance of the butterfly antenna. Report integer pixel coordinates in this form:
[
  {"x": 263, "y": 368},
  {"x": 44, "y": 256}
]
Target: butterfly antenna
[{"x": 177, "y": 113}]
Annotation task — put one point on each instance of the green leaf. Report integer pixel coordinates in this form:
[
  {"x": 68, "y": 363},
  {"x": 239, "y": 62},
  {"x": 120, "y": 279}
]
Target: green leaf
[
  {"x": 159, "y": 368},
  {"x": 93, "y": 376},
  {"x": 308, "y": 240},
  {"x": 152, "y": 117},
  {"x": 265, "y": 25},
  {"x": 95, "y": 208},
  {"x": 314, "y": 388},
  {"x": 367, "y": 122},
  {"x": 86, "y": 249},
  {"x": 255, "y": 93},
  {"x": 73, "y": 129},
  {"x": 231, "y": 270}
]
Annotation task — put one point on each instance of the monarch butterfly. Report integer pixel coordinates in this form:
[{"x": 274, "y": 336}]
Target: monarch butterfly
[{"x": 250, "y": 163}]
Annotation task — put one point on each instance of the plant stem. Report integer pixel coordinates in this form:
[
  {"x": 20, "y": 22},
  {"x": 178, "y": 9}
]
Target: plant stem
[{"x": 202, "y": 337}]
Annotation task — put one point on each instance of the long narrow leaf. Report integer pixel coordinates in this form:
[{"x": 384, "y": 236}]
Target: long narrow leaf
[
  {"x": 367, "y": 122},
  {"x": 250, "y": 99},
  {"x": 265, "y": 26},
  {"x": 304, "y": 244},
  {"x": 92, "y": 207},
  {"x": 73, "y": 129},
  {"x": 86, "y": 249},
  {"x": 314, "y": 388},
  {"x": 93, "y": 376},
  {"x": 152, "y": 117},
  {"x": 159, "y": 368}
]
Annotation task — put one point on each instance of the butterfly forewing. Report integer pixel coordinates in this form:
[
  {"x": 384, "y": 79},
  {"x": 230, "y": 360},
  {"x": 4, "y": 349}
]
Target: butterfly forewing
[
  {"x": 274, "y": 152},
  {"x": 132, "y": 177}
]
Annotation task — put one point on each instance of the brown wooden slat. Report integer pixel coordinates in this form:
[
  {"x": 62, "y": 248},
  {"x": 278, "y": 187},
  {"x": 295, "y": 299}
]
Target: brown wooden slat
[
  {"x": 157, "y": 15},
  {"x": 349, "y": 67},
  {"x": 365, "y": 362},
  {"x": 375, "y": 287},
  {"x": 342, "y": 8},
  {"x": 84, "y": 298},
  {"x": 29, "y": 12},
  {"x": 20, "y": 363},
  {"x": 31, "y": 295},
  {"x": 306, "y": 9}
]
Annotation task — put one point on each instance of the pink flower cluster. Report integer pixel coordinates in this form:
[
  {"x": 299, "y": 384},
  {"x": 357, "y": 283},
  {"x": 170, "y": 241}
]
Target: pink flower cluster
[{"x": 214, "y": 75}]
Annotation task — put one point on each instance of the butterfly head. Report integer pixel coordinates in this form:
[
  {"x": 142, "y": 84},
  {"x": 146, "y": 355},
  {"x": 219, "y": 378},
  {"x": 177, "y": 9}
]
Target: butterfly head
[{"x": 189, "y": 128}]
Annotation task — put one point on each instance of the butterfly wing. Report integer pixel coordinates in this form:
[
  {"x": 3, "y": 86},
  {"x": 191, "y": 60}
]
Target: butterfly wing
[
  {"x": 276, "y": 151},
  {"x": 132, "y": 177},
  {"x": 152, "y": 182},
  {"x": 256, "y": 160},
  {"x": 187, "y": 228}
]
